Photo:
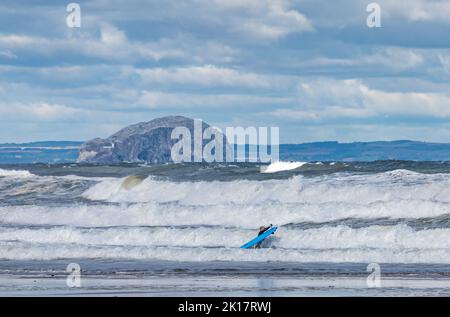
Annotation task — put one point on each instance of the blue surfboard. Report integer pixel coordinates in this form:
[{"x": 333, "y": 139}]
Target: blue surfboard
[{"x": 259, "y": 238}]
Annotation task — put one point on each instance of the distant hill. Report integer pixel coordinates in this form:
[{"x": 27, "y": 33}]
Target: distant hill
[
  {"x": 43, "y": 144},
  {"x": 39, "y": 152},
  {"x": 68, "y": 151},
  {"x": 366, "y": 151}
]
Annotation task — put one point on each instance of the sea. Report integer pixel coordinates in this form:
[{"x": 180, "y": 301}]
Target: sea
[{"x": 378, "y": 228}]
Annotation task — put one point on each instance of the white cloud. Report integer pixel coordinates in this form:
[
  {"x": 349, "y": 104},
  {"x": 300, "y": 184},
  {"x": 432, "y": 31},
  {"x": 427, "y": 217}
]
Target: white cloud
[
  {"x": 276, "y": 22},
  {"x": 112, "y": 44},
  {"x": 111, "y": 35},
  {"x": 445, "y": 62},
  {"x": 322, "y": 99},
  {"x": 162, "y": 100},
  {"x": 208, "y": 75},
  {"x": 38, "y": 111},
  {"x": 265, "y": 19},
  {"x": 18, "y": 40},
  {"x": 417, "y": 10},
  {"x": 8, "y": 54},
  {"x": 397, "y": 59}
]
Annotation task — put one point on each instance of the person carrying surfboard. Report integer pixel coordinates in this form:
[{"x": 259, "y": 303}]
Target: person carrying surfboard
[
  {"x": 262, "y": 229},
  {"x": 263, "y": 233}
]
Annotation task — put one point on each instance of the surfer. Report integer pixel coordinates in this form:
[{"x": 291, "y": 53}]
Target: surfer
[{"x": 262, "y": 229}]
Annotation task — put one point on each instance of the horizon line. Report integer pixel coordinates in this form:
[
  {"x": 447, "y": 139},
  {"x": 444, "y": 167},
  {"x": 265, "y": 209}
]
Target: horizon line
[{"x": 288, "y": 143}]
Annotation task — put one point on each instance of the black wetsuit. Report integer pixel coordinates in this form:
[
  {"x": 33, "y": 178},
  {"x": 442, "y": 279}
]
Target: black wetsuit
[{"x": 258, "y": 245}]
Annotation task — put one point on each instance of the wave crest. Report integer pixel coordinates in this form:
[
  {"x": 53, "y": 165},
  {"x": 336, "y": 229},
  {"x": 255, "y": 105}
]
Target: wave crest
[
  {"x": 15, "y": 173},
  {"x": 280, "y": 166}
]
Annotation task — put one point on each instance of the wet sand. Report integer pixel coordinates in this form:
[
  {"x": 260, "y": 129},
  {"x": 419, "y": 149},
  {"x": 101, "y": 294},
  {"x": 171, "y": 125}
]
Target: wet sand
[{"x": 100, "y": 278}]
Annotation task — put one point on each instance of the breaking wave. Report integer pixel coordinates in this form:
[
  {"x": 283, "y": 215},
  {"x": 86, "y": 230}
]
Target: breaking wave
[
  {"x": 325, "y": 218},
  {"x": 281, "y": 166},
  {"x": 15, "y": 173},
  {"x": 353, "y": 189}
]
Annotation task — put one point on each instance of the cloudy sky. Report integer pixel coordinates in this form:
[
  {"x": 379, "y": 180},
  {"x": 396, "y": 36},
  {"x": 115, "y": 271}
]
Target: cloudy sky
[{"x": 311, "y": 67}]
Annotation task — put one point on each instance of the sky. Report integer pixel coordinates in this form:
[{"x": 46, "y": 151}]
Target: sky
[{"x": 312, "y": 68}]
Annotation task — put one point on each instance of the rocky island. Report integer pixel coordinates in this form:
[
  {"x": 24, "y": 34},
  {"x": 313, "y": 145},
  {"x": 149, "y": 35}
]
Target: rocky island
[{"x": 145, "y": 142}]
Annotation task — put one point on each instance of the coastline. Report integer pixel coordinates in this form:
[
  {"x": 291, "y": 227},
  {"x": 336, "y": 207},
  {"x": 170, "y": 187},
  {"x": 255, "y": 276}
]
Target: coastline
[{"x": 162, "y": 278}]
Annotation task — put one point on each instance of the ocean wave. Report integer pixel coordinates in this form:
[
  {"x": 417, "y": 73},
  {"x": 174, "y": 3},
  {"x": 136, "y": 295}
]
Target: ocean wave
[
  {"x": 361, "y": 189},
  {"x": 140, "y": 217},
  {"x": 36, "y": 251},
  {"x": 281, "y": 166},
  {"x": 340, "y": 237},
  {"x": 227, "y": 215},
  {"x": 39, "y": 189},
  {"x": 15, "y": 173}
]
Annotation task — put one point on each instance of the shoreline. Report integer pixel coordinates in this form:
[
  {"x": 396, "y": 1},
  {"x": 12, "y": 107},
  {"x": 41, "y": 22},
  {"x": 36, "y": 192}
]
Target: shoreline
[
  {"x": 160, "y": 279},
  {"x": 182, "y": 285}
]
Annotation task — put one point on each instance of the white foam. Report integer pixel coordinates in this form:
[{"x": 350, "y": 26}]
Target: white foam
[
  {"x": 246, "y": 216},
  {"x": 35, "y": 251},
  {"x": 15, "y": 173},
  {"x": 350, "y": 189},
  {"x": 397, "y": 237},
  {"x": 280, "y": 166}
]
